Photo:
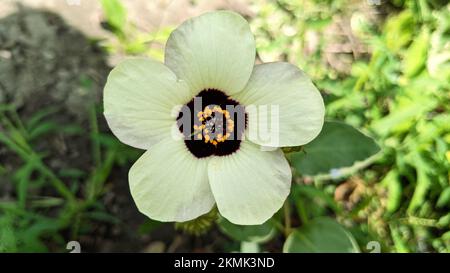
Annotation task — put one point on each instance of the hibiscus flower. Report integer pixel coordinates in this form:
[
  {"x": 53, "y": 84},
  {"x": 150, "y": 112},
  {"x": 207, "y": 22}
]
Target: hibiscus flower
[{"x": 203, "y": 118}]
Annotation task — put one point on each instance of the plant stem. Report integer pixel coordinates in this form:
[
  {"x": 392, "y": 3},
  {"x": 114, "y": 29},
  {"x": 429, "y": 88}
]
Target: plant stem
[
  {"x": 302, "y": 212},
  {"x": 99, "y": 175},
  {"x": 279, "y": 226},
  {"x": 287, "y": 218}
]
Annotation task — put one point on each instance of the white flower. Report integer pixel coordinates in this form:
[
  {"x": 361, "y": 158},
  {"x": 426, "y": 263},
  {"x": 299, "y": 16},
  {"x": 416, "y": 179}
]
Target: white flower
[{"x": 211, "y": 57}]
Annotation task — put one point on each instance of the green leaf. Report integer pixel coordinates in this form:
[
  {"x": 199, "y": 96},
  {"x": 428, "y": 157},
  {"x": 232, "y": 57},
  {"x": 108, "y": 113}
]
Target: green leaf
[
  {"x": 394, "y": 187},
  {"x": 444, "y": 221},
  {"x": 46, "y": 202},
  {"x": 148, "y": 226},
  {"x": 249, "y": 247},
  {"x": 23, "y": 177},
  {"x": 115, "y": 13},
  {"x": 399, "y": 30},
  {"x": 321, "y": 235},
  {"x": 423, "y": 183},
  {"x": 38, "y": 116},
  {"x": 49, "y": 127},
  {"x": 401, "y": 118},
  {"x": 8, "y": 240},
  {"x": 338, "y": 145},
  {"x": 302, "y": 191},
  {"x": 444, "y": 198},
  {"x": 416, "y": 55},
  {"x": 256, "y": 234}
]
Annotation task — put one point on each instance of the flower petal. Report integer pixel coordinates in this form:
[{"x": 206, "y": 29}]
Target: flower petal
[
  {"x": 250, "y": 185},
  {"x": 169, "y": 184},
  {"x": 300, "y": 106},
  {"x": 139, "y": 98},
  {"x": 214, "y": 50}
]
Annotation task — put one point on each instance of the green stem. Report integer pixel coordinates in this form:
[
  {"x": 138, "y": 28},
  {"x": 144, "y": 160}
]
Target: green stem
[
  {"x": 287, "y": 218},
  {"x": 278, "y": 225},
  {"x": 99, "y": 175},
  {"x": 302, "y": 212}
]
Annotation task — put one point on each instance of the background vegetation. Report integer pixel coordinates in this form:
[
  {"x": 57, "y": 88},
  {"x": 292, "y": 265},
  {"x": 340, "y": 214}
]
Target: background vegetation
[{"x": 376, "y": 179}]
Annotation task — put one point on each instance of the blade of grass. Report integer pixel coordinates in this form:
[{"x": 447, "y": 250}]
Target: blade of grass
[
  {"x": 96, "y": 151},
  {"x": 23, "y": 176},
  {"x": 39, "y": 165},
  {"x": 99, "y": 175}
]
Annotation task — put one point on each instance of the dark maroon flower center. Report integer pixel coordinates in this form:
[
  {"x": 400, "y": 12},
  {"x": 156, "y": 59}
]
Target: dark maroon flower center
[{"x": 212, "y": 124}]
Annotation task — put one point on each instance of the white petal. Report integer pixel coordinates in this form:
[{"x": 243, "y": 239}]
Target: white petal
[
  {"x": 250, "y": 185},
  {"x": 139, "y": 100},
  {"x": 169, "y": 184},
  {"x": 300, "y": 106},
  {"x": 214, "y": 50}
]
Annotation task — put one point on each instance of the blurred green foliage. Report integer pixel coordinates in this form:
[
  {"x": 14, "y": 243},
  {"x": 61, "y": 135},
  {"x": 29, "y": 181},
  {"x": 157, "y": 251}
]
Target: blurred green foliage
[
  {"x": 397, "y": 89},
  {"x": 47, "y": 202},
  {"x": 384, "y": 69}
]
